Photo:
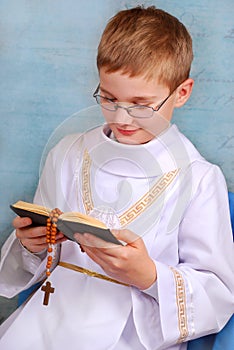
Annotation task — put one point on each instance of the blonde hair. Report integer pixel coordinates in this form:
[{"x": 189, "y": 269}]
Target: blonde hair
[{"x": 148, "y": 42}]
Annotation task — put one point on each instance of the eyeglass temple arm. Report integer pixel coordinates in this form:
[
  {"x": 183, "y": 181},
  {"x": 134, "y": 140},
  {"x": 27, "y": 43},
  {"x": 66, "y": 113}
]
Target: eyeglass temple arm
[
  {"x": 162, "y": 103},
  {"x": 96, "y": 91}
]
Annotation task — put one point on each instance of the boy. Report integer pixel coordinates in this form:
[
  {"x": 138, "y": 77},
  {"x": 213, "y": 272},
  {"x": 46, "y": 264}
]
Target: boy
[{"x": 165, "y": 202}]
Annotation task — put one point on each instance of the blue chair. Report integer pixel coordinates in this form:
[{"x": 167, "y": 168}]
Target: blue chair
[
  {"x": 224, "y": 340},
  {"x": 231, "y": 203},
  {"x": 23, "y": 296}
]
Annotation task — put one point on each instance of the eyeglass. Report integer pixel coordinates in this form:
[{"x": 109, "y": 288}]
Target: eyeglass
[{"x": 136, "y": 111}]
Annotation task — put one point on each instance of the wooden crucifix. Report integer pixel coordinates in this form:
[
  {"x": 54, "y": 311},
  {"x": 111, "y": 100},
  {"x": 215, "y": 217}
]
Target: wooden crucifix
[{"x": 47, "y": 289}]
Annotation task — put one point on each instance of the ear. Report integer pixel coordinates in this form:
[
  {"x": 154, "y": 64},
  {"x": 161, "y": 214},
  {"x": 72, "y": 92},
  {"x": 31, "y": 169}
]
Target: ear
[{"x": 183, "y": 92}]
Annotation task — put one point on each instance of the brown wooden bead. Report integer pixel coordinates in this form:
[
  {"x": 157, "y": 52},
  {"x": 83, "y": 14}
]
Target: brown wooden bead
[{"x": 51, "y": 231}]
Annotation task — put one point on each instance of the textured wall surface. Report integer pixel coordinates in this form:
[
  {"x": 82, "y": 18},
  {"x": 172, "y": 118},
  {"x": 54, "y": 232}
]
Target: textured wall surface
[{"x": 48, "y": 72}]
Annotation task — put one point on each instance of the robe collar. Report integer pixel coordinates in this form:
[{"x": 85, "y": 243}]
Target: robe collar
[{"x": 164, "y": 153}]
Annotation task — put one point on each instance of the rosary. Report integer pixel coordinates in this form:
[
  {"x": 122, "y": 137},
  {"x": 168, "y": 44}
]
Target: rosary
[{"x": 51, "y": 230}]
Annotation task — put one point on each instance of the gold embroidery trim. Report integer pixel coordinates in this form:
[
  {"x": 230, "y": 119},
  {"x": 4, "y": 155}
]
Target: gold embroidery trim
[
  {"x": 90, "y": 273},
  {"x": 140, "y": 206},
  {"x": 181, "y": 305},
  {"x": 146, "y": 200},
  {"x": 87, "y": 199}
]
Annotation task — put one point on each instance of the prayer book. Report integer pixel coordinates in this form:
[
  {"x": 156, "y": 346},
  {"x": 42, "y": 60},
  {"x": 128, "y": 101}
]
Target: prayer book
[{"x": 68, "y": 223}]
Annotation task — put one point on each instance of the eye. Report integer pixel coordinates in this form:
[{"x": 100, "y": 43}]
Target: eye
[
  {"x": 111, "y": 99},
  {"x": 141, "y": 104},
  {"x": 108, "y": 97},
  {"x": 106, "y": 100}
]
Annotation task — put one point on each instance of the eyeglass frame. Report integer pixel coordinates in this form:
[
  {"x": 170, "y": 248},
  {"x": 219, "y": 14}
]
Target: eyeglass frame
[{"x": 116, "y": 104}]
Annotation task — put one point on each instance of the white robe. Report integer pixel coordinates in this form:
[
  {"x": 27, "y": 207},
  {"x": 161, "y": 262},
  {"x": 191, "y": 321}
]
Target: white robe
[{"x": 170, "y": 196}]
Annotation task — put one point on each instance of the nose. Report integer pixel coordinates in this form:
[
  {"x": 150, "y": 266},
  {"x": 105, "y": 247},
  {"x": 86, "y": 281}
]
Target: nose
[{"x": 122, "y": 116}]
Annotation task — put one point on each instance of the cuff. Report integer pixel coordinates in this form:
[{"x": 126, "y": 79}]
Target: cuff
[
  {"x": 31, "y": 261},
  {"x": 40, "y": 255},
  {"x": 152, "y": 290}
]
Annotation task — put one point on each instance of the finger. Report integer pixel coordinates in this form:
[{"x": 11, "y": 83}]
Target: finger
[
  {"x": 31, "y": 232},
  {"x": 90, "y": 240},
  {"x": 37, "y": 235},
  {"x": 37, "y": 244},
  {"x": 98, "y": 250},
  {"x": 19, "y": 222},
  {"x": 100, "y": 256},
  {"x": 61, "y": 240},
  {"x": 59, "y": 236},
  {"x": 96, "y": 256},
  {"x": 126, "y": 236}
]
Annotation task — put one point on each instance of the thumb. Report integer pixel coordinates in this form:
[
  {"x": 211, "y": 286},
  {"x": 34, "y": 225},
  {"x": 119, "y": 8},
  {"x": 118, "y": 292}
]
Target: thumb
[{"x": 126, "y": 236}]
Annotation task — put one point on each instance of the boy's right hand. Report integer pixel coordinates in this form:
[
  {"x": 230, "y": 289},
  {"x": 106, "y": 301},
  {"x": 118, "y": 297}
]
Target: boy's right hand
[{"x": 33, "y": 238}]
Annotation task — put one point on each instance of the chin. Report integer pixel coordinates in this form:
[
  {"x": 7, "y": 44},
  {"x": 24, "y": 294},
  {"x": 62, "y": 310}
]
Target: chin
[
  {"x": 127, "y": 141},
  {"x": 133, "y": 140}
]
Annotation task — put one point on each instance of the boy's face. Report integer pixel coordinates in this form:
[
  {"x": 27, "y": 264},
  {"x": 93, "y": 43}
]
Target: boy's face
[{"x": 128, "y": 91}]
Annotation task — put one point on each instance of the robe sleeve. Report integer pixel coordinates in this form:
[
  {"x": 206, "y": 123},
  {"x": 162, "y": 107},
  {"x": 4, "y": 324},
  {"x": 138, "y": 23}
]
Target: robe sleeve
[
  {"x": 20, "y": 269},
  {"x": 196, "y": 296}
]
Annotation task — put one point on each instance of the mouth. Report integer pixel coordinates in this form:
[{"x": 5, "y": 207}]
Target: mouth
[{"x": 127, "y": 132}]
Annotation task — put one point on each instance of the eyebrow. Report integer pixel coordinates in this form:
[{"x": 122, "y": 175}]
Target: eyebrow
[{"x": 137, "y": 98}]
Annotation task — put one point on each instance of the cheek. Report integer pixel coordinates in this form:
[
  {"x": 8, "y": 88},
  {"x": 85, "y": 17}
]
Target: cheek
[
  {"x": 108, "y": 115},
  {"x": 155, "y": 125}
]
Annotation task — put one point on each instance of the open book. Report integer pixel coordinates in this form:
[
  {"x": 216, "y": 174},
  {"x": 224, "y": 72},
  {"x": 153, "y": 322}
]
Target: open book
[{"x": 68, "y": 223}]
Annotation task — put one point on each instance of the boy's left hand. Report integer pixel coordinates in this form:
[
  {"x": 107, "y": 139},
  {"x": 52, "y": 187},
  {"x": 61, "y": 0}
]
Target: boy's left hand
[{"x": 129, "y": 264}]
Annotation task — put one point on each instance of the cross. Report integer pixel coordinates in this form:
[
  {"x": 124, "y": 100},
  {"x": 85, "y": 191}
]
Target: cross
[{"x": 47, "y": 289}]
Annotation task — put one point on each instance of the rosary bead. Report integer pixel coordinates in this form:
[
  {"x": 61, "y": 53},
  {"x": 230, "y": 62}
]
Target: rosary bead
[{"x": 51, "y": 230}]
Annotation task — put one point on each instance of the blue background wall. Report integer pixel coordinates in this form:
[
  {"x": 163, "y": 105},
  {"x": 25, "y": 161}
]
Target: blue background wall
[{"x": 48, "y": 72}]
